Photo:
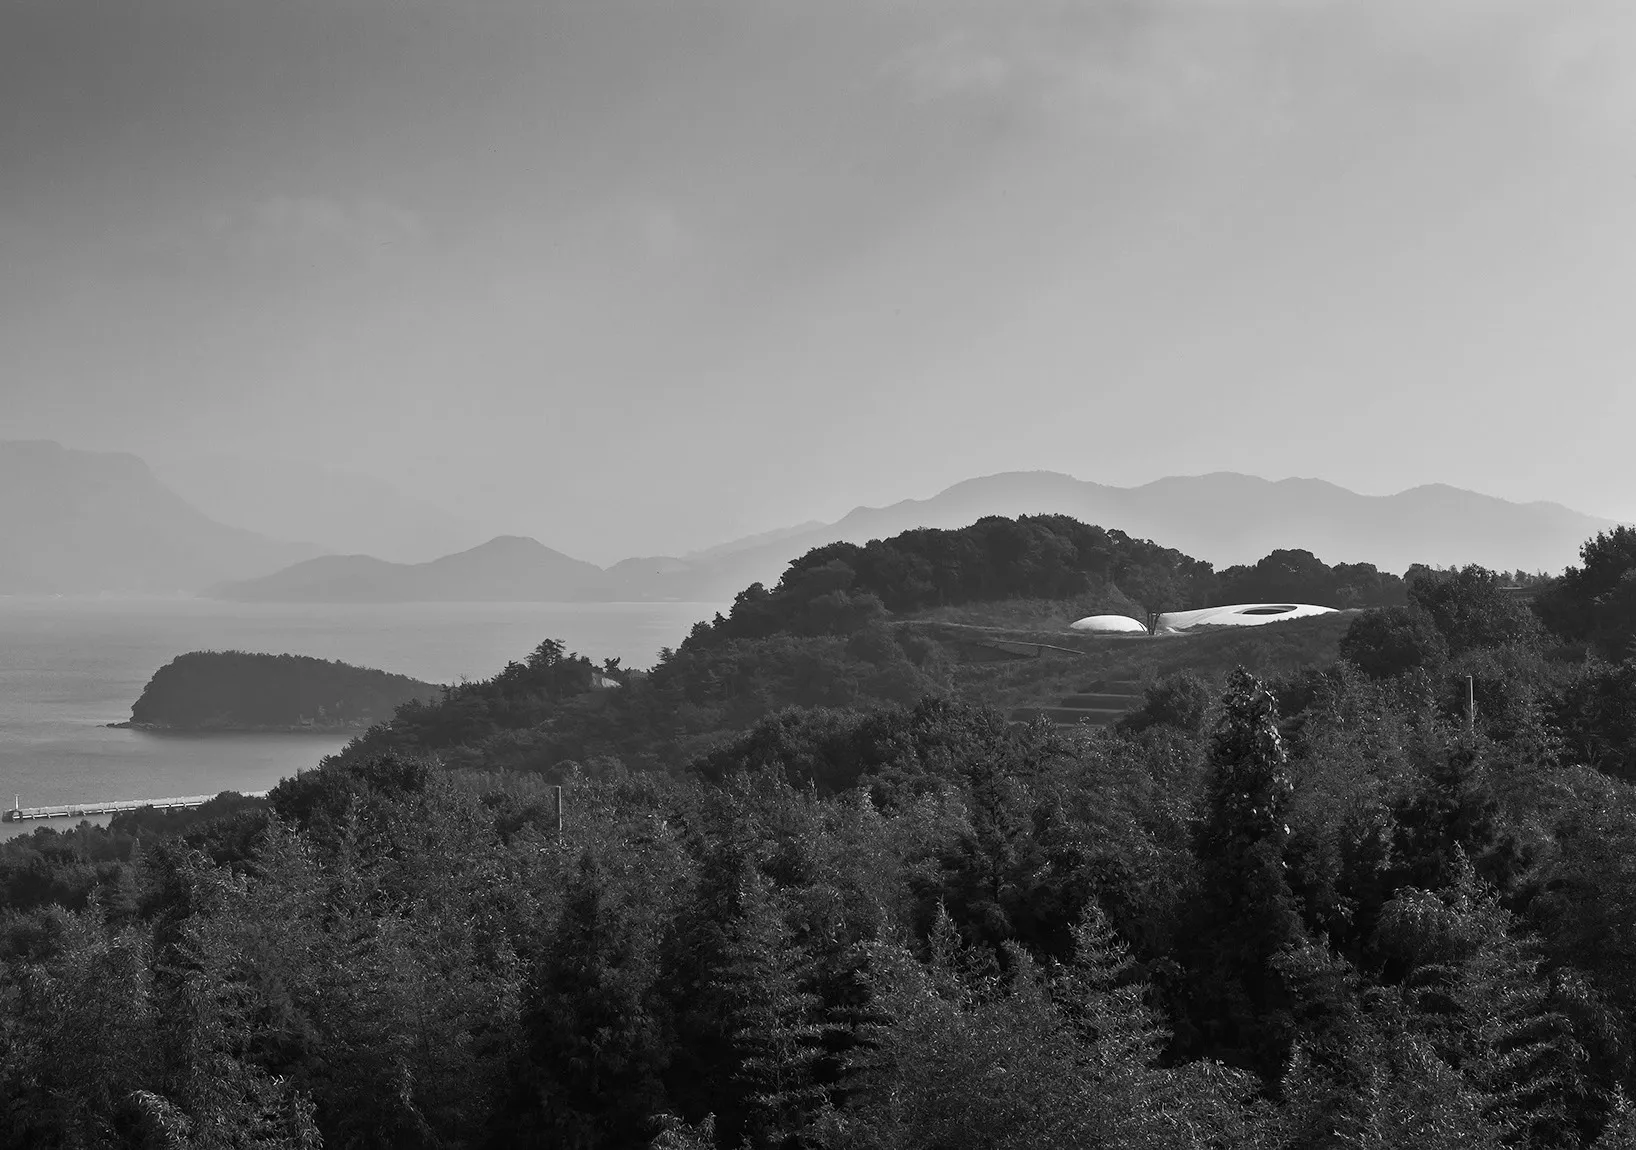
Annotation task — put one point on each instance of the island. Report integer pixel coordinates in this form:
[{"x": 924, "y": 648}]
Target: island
[{"x": 246, "y": 691}]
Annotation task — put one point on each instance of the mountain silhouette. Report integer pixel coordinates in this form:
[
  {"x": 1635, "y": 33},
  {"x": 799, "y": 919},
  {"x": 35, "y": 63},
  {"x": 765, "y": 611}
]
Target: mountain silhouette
[
  {"x": 1225, "y": 517},
  {"x": 508, "y": 568},
  {"x": 338, "y": 509},
  {"x": 83, "y": 522}
]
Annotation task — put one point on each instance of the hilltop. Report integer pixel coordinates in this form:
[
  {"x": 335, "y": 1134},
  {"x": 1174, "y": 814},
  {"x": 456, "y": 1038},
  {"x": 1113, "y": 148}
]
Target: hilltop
[{"x": 979, "y": 614}]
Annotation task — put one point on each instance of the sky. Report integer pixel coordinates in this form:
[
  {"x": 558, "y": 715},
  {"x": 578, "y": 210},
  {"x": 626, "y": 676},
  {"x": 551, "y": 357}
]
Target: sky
[{"x": 638, "y": 277}]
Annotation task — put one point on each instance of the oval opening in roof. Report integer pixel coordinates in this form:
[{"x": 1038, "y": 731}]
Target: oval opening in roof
[{"x": 1284, "y": 609}]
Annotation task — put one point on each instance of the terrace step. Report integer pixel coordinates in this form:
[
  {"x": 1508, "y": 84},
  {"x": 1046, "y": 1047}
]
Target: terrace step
[
  {"x": 1069, "y": 716},
  {"x": 1114, "y": 687},
  {"x": 1102, "y": 701}
]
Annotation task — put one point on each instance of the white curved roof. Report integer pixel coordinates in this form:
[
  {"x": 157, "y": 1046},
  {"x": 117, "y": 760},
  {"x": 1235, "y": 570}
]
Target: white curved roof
[
  {"x": 1239, "y": 615},
  {"x": 1120, "y": 624}
]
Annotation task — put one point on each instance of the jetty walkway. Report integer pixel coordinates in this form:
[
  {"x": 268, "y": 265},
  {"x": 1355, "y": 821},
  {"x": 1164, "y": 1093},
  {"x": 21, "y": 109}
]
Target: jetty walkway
[{"x": 18, "y": 813}]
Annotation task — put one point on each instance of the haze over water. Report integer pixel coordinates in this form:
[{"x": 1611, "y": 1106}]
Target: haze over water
[{"x": 69, "y": 667}]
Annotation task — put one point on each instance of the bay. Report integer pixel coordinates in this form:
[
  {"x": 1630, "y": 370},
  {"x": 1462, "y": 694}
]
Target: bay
[{"x": 69, "y": 667}]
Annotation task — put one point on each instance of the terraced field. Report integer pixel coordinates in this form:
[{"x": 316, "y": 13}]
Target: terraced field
[
  {"x": 1097, "y": 704},
  {"x": 1040, "y": 668}
]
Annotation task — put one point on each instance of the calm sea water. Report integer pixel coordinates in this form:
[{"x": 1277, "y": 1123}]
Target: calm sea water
[{"x": 68, "y": 667}]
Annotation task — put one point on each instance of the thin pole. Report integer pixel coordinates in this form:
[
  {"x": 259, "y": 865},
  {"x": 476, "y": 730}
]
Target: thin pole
[
  {"x": 1471, "y": 705},
  {"x": 558, "y": 792}
]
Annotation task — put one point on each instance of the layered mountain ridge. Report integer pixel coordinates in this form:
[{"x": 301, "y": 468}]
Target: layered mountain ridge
[
  {"x": 507, "y": 569},
  {"x": 1223, "y": 517},
  {"x": 81, "y": 522}
]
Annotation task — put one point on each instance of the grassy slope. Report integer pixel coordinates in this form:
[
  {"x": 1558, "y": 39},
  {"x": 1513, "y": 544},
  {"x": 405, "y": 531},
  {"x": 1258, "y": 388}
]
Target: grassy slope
[
  {"x": 1034, "y": 614},
  {"x": 1042, "y": 680}
]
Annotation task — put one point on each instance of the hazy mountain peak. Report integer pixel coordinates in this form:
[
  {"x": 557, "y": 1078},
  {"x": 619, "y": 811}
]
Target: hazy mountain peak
[
  {"x": 1225, "y": 517},
  {"x": 77, "y": 522},
  {"x": 341, "y": 509},
  {"x": 512, "y": 549},
  {"x": 510, "y": 544},
  {"x": 747, "y": 541},
  {"x": 47, "y": 456},
  {"x": 507, "y": 568}
]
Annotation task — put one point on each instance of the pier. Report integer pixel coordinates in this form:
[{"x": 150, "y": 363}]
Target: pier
[{"x": 19, "y": 813}]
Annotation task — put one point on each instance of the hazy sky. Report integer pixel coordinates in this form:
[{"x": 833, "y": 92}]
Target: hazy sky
[{"x": 638, "y": 277}]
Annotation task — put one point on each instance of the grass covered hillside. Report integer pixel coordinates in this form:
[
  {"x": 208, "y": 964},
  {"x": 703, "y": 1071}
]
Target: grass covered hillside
[
  {"x": 239, "y": 690},
  {"x": 1004, "y": 671}
]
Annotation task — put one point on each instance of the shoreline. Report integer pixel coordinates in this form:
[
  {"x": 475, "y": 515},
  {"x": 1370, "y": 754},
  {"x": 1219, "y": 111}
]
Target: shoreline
[{"x": 214, "y": 729}]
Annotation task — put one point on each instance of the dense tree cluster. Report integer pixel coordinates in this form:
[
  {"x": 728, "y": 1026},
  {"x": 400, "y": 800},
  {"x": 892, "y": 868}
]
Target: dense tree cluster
[
  {"x": 1595, "y": 602},
  {"x": 233, "y": 690},
  {"x": 1330, "y": 907},
  {"x": 837, "y": 588},
  {"x": 540, "y": 715},
  {"x": 1344, "y": 921},
  {"x": 1301, "y": 577}
]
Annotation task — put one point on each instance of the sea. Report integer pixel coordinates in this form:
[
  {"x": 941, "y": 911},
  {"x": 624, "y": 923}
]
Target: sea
[{"x": 69, "y": 667}]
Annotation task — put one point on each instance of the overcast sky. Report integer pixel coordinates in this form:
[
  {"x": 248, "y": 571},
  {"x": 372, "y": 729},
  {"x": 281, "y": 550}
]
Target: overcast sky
[{"x": 639, "y": 277}]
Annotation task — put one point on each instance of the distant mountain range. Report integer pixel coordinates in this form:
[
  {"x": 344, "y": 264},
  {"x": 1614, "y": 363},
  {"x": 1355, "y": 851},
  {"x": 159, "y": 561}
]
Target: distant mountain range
[
  {"x": 1224, "y": 517},
  {"x": 340, "y": 511},
  {"x": 1230, "y": 518},
  {"x": 82, "y": 522},
  {"x": 509, "y": 569}
]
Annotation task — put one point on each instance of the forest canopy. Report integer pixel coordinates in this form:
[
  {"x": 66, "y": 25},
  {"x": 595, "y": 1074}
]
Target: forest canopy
[{"x": 809, "y": 890}]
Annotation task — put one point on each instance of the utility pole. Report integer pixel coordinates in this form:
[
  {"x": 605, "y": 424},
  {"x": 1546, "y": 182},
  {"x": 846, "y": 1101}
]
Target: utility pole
[
  {"x": 1471, "y": 705},
  {"x": 558, "y": 796}
]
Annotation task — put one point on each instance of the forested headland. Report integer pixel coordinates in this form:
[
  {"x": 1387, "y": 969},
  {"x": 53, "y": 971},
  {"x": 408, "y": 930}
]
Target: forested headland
[
  {"x": 812, "y": 889},
  {"x": 245, "y": 691}
]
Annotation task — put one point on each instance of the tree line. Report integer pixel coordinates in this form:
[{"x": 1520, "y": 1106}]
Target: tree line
[{"x": 839, "y": 587}]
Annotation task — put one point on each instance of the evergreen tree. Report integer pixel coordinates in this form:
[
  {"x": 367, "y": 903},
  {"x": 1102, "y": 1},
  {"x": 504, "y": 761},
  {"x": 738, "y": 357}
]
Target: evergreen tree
[
  {"x": 774, "y": 1017},
  {"x": 1478, "y": 993},
  {"x": 213, "y": 1088},
  {"x": 969, "y": 1058},
  {"x": 76, "y": 1034},
  {"x": 1247, "y": 914},
  {"x": 749, "y": 1022},
  {"x": 1414, "y": 1101},
  {"x": 594, "y": 1050},
  {"x": 1447, "y": 817}
]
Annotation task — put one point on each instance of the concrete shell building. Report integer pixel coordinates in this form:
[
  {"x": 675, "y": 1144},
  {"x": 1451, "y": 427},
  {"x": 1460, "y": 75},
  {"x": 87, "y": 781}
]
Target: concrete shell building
[
  {"x": 1237, "y": 615},
  {"x": 1108, "y": 625}
]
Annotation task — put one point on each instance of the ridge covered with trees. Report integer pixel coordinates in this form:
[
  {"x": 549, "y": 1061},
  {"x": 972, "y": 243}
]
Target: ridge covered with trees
[
  {"x": 1322, "y": 904},
  {"x": 240, "y": 690},
  {"x": 837, "y": 588},
  {"x": 841, "y": 629}
]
